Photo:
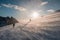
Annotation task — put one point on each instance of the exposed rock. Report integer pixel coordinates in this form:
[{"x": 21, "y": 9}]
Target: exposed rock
[{"x": 7, "y": 20}]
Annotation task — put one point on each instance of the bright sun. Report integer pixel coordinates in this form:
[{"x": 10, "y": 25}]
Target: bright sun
[{"x": 34, "y": 15}]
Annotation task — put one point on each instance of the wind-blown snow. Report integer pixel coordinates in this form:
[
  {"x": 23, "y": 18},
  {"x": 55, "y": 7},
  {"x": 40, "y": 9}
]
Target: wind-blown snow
[
  {"x": 46, "y": 31},
  {"x": 32, "y": 33}
]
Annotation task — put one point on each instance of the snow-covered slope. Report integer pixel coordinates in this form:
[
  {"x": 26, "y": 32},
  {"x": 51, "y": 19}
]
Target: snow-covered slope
[
  {"x": 51, "y": 20},
  {"x": 46, "y": 32}
]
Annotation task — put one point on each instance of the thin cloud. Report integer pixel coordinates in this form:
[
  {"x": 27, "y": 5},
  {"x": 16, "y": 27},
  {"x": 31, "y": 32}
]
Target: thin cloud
[
  {"x": 15, "y": 7},
  {"x": 44, "y": 3},
  {"x": 0, "y": 6},
  {"x": 50, "y": 10}
]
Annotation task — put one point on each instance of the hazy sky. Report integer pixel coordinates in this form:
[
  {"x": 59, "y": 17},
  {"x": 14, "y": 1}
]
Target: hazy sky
[{"x": 24, "y": 8}]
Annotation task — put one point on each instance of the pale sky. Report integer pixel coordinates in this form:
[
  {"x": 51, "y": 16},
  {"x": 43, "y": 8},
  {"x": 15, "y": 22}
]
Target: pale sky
[{"x": 22, "y": 9}]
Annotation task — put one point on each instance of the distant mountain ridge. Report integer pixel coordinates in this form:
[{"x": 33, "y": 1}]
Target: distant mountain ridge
[{"x": 7, "y": 21}]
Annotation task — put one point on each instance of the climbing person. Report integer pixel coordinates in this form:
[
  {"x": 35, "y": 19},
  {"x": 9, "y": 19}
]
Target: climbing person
[
  {"x": 28, "y": 22},
  {"x": 30, "y": 19},
  {"x": 13, "y": 25},
  {"x": 12, "y": 21}
]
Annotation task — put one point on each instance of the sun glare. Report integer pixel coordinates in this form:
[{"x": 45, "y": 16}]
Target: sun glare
[{"x": 35, "y": 15}]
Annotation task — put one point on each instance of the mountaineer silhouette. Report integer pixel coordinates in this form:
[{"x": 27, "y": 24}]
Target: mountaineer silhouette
[
  {"x": 28, "y": 22},
  {"x": 13, "y": 21}
]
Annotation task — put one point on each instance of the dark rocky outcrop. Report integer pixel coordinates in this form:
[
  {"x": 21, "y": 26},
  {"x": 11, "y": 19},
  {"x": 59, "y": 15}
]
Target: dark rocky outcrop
[
  {"x": 57, "y": 11},
  {"x": 7, "y": 21}
]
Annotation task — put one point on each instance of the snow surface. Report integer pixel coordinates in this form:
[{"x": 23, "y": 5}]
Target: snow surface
[
  {"x": 49, "y": 30},
  {"x": 29, "y": 33}
]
